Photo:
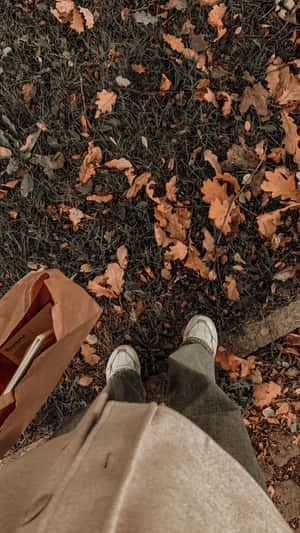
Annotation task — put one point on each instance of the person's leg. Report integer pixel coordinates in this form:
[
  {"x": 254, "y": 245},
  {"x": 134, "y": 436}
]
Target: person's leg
[
  {"x": 192, "y": 391},
  {"x": 126, "y": 386}
]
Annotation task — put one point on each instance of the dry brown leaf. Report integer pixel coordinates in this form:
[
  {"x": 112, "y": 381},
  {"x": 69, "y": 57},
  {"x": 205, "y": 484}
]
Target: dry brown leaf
[
  {"x": 13, "y": 214},
  {"x": 89, "y": 354},
  {"x": 203, "y": 92},
  {"x": 171, "y": 189},
  {"x": 176, "y": 251},
  {"x": 138, "y": 68},
  {"x": 26, "y": 91},
  {"x": 100, "y": 198},
  {"x": 212, "y": 189},
  {"x": 215, "y": 17},
  {"x": 115, "y": 277},
  {"x": 213, "y": 160},
  {"x": 208, "y": 244},
  {"x": 5, "y": 153},
  {"x": 91, "y": 162},
  {"x": 122, "y": 256},
  {"x": 88, "y": 16},
  {"x": 180, "y": 5},
  {"x": 161, "y": 237},
  {"x": 277, "y": 154},
  {"x": 195, "y": 263},
  {"x": 268, "y": 222},
  {"x": 283, "y": 85},
  {"x": 257, "y": 97},
  {"x": 105, "y": 101},
  {"x": 226, "y": 108},
  {"x": 138, "y": 184},
  {"x": 282, "y": 183},
  {"x": 120, "y": 164},
  {"x": 230, "y": 288},
  {"x": 96, "y": 286},
  {"x": 165, "y": 83},
  {"x": 176, "y": 43},
  {"x": 242, "y": 156},
  {"x": 85, "y": 267},
  {"x": 284, "y": 275},
  {"x": 75, "y": 215},
  {"x": 291, "y": 138},
  {"x": 85, "y": 381},
  {"x": 77, "y": 21},
  {"x": 209, "y": 3},
  {"x": 11, "y": 184},
  {"x": 144, "y": 141},
  {"x": 235, "y": 366},
  {"x": 264, "y": 393}
]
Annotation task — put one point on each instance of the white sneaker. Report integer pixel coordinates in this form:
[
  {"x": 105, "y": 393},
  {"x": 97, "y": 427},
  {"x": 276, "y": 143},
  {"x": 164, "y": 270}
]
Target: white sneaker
[
  {"x": 202, "y": 327},
  {"x": 122, "y": 358}
]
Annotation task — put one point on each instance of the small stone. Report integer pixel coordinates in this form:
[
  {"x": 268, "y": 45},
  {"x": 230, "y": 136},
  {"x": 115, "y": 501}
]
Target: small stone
[{"x": 268, "y": 412}]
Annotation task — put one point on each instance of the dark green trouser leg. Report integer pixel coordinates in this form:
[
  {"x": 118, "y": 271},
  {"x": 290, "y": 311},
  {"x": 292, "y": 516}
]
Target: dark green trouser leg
[
  {"x": 192, "y": 391},
  {"x": 126, "y": 386}
]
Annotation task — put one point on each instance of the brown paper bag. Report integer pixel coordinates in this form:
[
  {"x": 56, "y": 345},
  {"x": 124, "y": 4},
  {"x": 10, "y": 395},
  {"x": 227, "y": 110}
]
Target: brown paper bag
[{"x": 40, "y": 301}]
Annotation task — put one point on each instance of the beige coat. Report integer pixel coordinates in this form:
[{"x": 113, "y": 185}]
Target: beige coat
[{"x": 132, "y": 468}]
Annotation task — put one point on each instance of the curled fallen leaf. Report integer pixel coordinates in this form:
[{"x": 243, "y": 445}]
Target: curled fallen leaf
[
  {"x": 213, "y": 160},
  {"x": 110, "y": 284},
  {"x": 75, "y": 215},
  {"x": 100, "y": 198},
  {"x": 91, "y": 162}
]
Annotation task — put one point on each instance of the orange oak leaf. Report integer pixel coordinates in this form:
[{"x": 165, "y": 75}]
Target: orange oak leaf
[
  {"x": 283, "y": 85},
  {"x": 268, "y": 222},
  {"x": 235, "y": 366},
  {"x": 161, "y": 237},
  {"x": 176, "y": 251},
  {"x": 291, "y": 138},
  {"x": 105, "y": 101},
  {"x": 165, "y": 83},
  {"x": 194, "y": 262},
  {"x": 230, "y": 288},
  {"x": 171, "y": 189},
  {"x": 264, "y": 393},
  {"x": 77, "y": 21},
  {"x": 212, "y": 189},
  {"x": 215, "y": 17},
  {"x": 91, "y": 162},
  {"x": 110, "y": 284},
  {"x": 282, "y": 183}
]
